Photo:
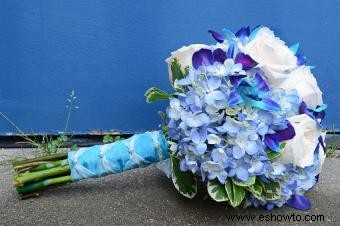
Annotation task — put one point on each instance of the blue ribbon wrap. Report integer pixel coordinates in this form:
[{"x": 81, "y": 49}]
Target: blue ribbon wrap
[{"x": 140, "y": 150}]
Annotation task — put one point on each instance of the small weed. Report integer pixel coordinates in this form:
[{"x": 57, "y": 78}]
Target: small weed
[
  {"x": 110, "y": 139},
  {"x": 70, "y": 106},
  {"x": 332, "y": 146},
  {"x": 331, "y": 152},
  {"x": 49, "y": 145}
]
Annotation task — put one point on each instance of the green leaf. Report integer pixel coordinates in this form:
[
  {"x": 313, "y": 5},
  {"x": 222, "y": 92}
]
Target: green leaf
[
  {"x": 74, "y": 147},
  {"x": 164, "y": 125},
  {"x": 107, "y": 139},
  {"x": 282, "y": 146},
  {"x": 235, "y": 193},
  {"x": 176, "y": 70},
  {"x": 117, "y": 138},
  {"x": 163, "y": 115},
  {"x": 247, "y": 183},
  {"x": 271, "y": 155},
  {"x": 272, "y": 190},
  {"x": 154, "y": 94},
  {"x": 63, "y": 138},
  {"x": 256, "y": 189},
  {"x": 184, "y": 182},
  {"x": 217, "y": 191}
]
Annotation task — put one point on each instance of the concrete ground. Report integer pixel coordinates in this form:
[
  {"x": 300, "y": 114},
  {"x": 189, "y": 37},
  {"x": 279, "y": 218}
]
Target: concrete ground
[{"x": 147, "y": 197}]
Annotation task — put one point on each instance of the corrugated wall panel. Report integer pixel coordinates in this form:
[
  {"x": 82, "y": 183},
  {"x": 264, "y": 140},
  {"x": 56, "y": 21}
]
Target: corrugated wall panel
[{"x": 110, "y": 52}]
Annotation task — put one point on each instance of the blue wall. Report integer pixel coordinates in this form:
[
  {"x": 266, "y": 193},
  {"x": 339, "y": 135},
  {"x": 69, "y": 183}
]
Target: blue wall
[{"x": 110, "y": 52}]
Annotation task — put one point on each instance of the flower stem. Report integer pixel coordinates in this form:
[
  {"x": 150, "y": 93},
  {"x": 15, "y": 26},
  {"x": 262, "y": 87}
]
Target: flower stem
[
  {"x": 33, "y": 187},
  {"x": 28, "y": 166},
  {"x": 49, "y": 165},
  {"x": 53, "y": 157},
  {"x": 22, "y": 179}
]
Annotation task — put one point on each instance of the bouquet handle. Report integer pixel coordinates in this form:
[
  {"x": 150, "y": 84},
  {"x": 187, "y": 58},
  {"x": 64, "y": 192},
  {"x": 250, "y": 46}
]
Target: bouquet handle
[{"x": 138, "y": 151}]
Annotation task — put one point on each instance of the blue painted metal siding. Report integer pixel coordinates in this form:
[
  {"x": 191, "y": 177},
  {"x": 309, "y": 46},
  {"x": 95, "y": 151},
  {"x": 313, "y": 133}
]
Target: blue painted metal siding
[{"x": 110, "y": 52}]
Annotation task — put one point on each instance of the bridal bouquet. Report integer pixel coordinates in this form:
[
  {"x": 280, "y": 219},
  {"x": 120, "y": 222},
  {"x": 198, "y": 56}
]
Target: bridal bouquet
[{"x": 244, "y": 118}]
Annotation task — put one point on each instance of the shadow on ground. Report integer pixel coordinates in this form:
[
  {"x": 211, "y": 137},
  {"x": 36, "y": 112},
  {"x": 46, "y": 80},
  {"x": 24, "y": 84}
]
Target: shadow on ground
[{"x": 146, "y": 196}]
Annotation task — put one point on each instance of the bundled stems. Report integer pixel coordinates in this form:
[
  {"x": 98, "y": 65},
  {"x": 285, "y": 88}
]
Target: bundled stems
[
  {"x": 33, "y": 187},
  {"x": 49, "y": 165},
  {"x": 36, "y": 175},
  {"x": 25, "y": 178},
  {"x": 53, "y": 157}
]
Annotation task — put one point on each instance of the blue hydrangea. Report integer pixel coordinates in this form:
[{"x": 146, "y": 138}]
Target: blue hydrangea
[
  {"x": 215, "y": 139},
  {"x": 225, "y": 118},
  {"x": 294, "y": 180}
]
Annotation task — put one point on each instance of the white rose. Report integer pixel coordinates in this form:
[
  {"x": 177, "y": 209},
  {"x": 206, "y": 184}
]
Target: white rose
[
  {"x": 274, "y": 58},
  {"x": 184, "y": 56},
  {"x": 300, "y": 150},
  {"x": 304, "y": 82}
]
